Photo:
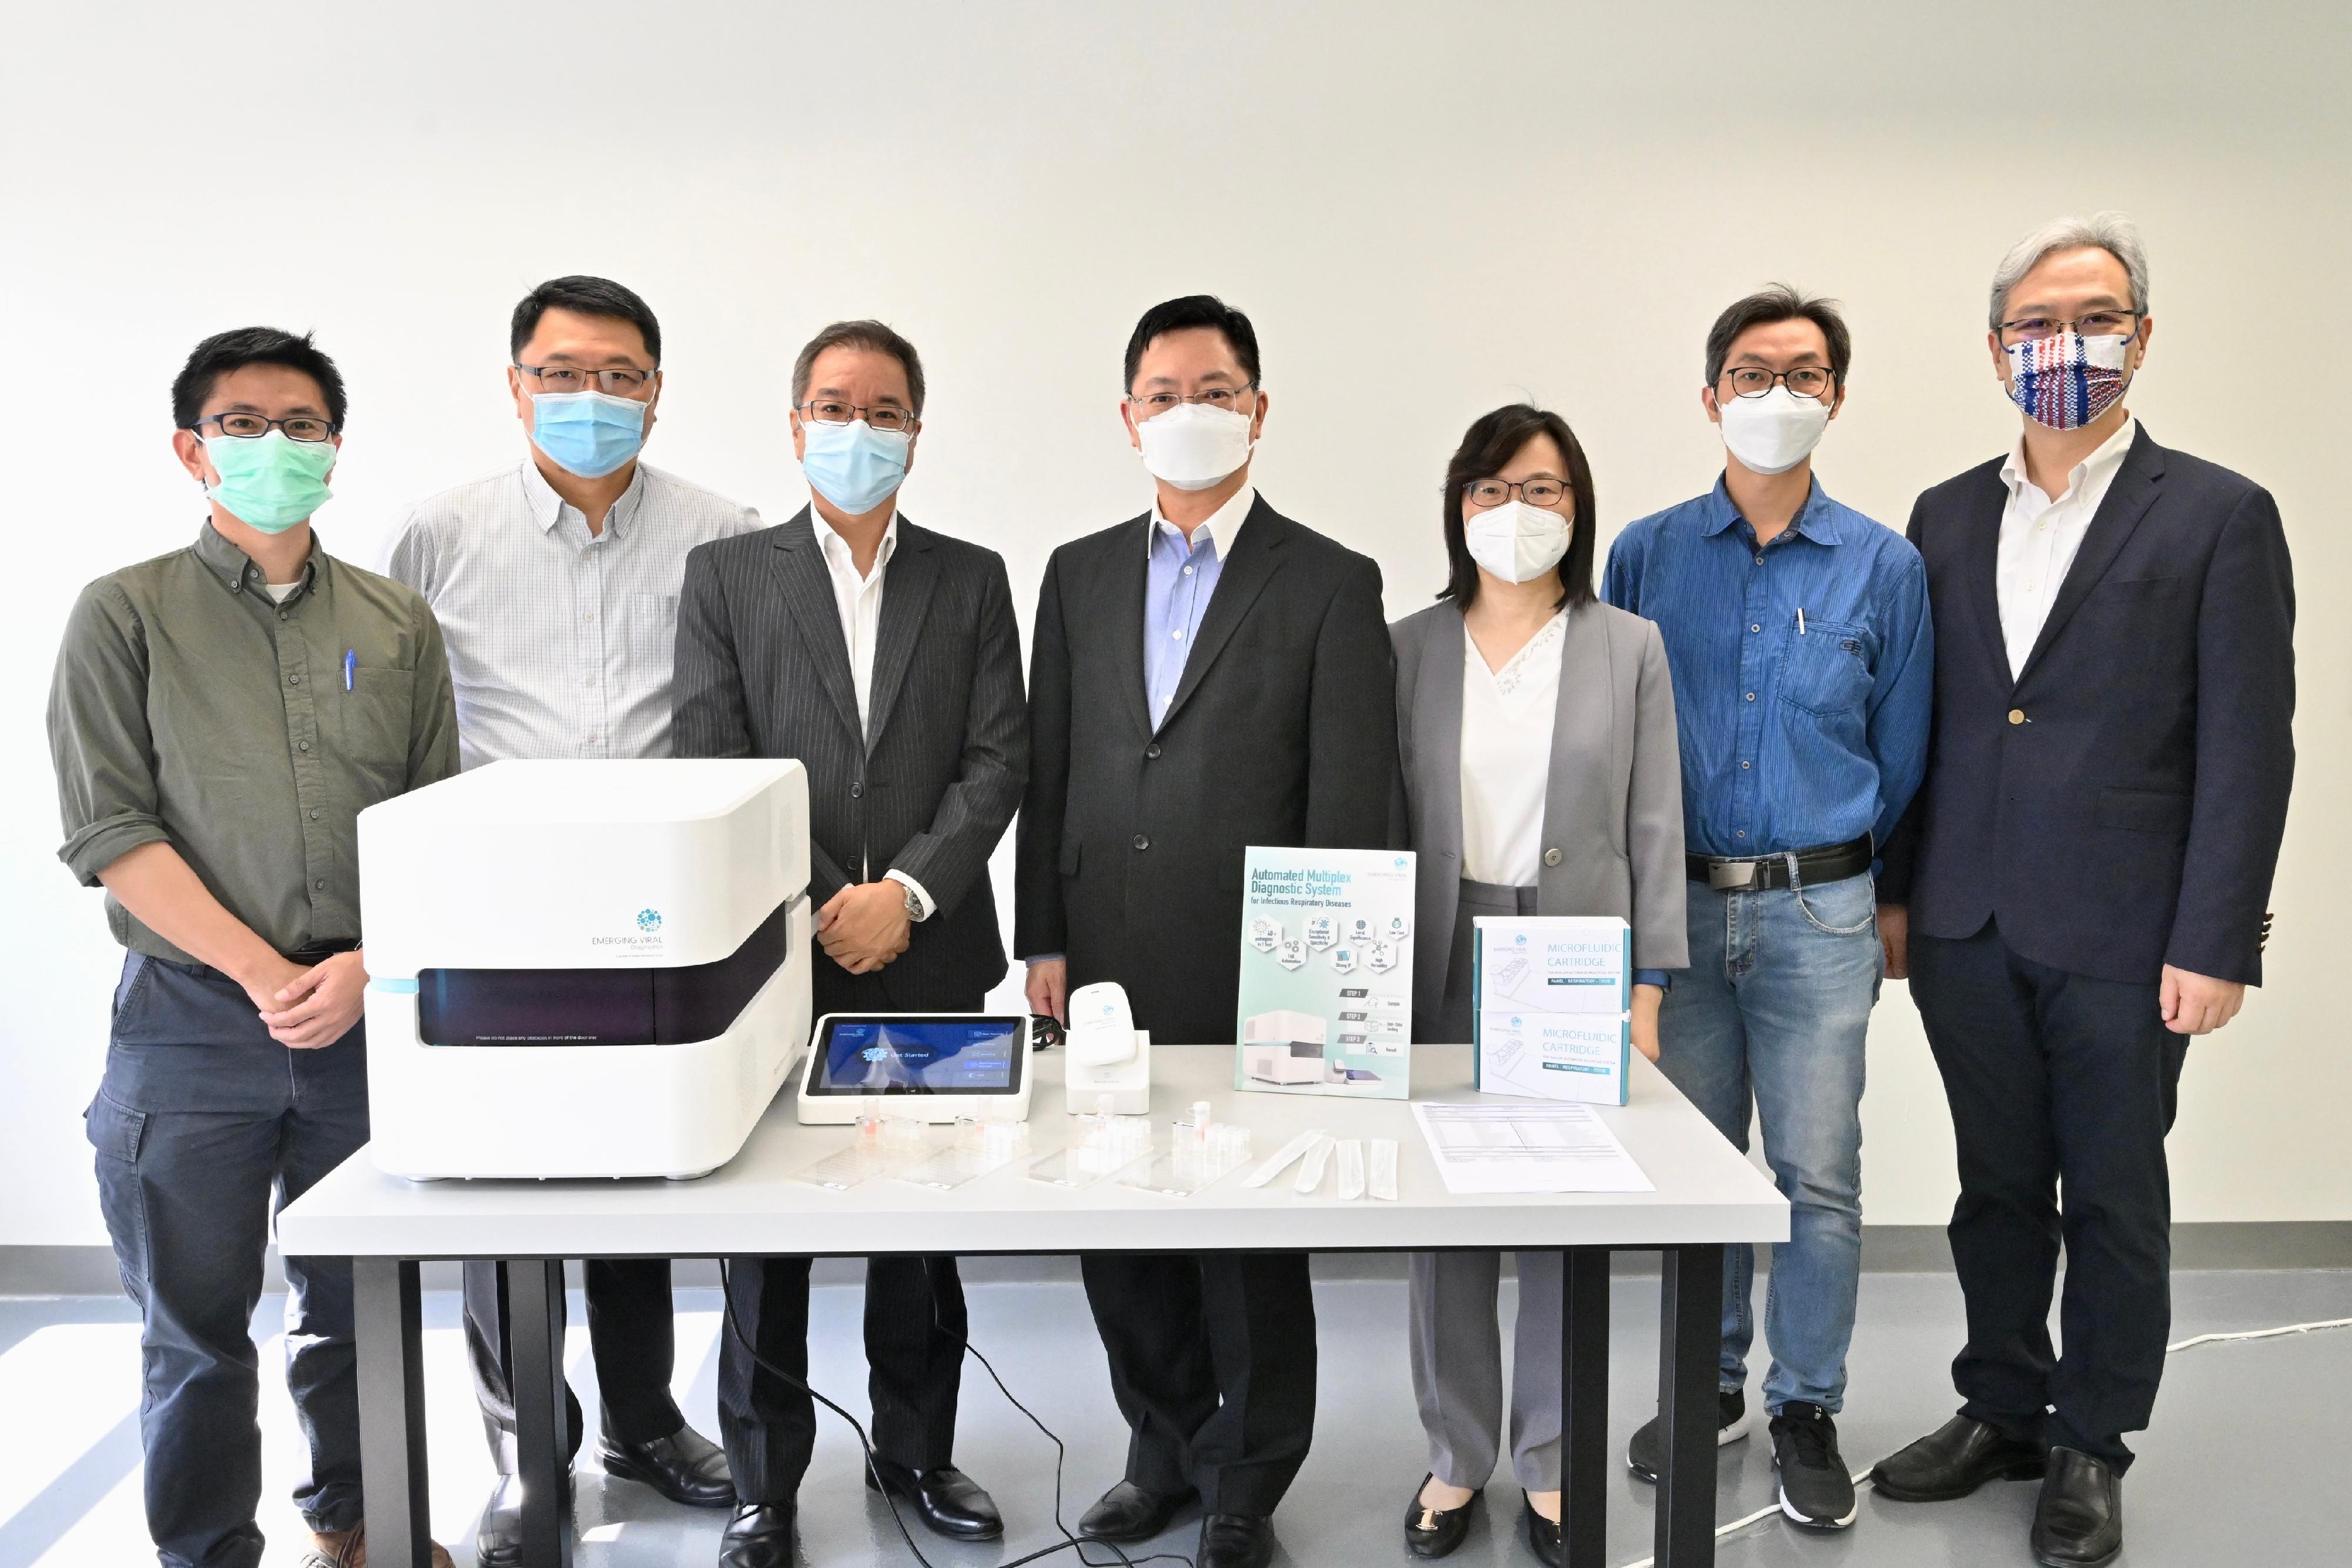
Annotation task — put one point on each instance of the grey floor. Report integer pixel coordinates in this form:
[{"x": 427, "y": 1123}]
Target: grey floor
[{"x": 2247, "y": 1463}]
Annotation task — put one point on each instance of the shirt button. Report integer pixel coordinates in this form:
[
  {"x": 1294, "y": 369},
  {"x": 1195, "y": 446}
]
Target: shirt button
[
  {"x": 1741, "y": 835},
  {"x": 587, "y": 680},
  {"x": 1178, "y": 634},
  {"x": 281, "y": 615},
  {"x": 1188, "y": 571},
  {"x": 1551, "y": 857},
  {"x": 1142, "y": 842},
  {"x": 314, "y": 816},
  {"x": 1755, "y": 626},
  {"x": 858, "y": 791},
  {"x": 1751, "y": 696},
  {"x": 293, "y": 680},
  {"x": 1151, "y": 752},
  {"x": 1744, "y": 762},
  {"x": 301, "y": 745},
  {"x": 2017, "y": 715},
  {"x": 320, "y": 885},
  {"x": 1760, "y": 557}
]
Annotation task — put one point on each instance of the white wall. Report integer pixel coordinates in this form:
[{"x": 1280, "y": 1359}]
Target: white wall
[{"x": 1427, "y": 210}]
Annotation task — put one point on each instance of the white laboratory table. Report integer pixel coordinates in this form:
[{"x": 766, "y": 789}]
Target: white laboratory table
[{"x": 1708, "y": 1195}]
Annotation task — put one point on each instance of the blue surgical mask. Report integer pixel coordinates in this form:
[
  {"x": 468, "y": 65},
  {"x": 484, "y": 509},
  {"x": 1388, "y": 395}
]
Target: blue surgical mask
[
  {"x": 587, "y": 433},
  {"x": 267, "y": 481},
  {"x": 854, "y": 465}
]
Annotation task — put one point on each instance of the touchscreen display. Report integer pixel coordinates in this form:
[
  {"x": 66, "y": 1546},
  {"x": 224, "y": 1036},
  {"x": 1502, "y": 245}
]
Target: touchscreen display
[{"x": 921, "y": 1056}]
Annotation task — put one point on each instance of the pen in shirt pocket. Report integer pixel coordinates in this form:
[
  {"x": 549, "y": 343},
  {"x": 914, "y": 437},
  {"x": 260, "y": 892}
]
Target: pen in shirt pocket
[
  {"x": 1800, "y": 619},
  {"x": 350, "y": 664}
]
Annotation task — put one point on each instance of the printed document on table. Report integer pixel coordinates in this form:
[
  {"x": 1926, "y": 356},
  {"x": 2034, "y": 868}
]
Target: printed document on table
[{"x": 1530, "y": 1146}]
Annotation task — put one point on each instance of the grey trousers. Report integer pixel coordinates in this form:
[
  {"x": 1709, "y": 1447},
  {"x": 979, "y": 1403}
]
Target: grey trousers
[{"x": 1458, "y": 1366}]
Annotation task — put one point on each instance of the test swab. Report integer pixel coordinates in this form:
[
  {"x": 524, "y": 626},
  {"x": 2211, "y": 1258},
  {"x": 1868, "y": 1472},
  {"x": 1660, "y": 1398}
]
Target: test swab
[
  {"x": 1311, "y": 1171},
  {"x": 1288, "y": 1152},
  {"x": 1351, "y": 1169}
]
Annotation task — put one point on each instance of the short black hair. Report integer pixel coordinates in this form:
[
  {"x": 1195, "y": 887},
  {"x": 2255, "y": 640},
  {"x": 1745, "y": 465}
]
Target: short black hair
[
  {"x": 222, "y": 352},
  {"x": 870, "y": 335},
  {"x": 1779, "y": 302},
  {"x": 1195, "y": 310},
  {"x": 584, "y": 295},
  {"x": 1486, "y": 448}
]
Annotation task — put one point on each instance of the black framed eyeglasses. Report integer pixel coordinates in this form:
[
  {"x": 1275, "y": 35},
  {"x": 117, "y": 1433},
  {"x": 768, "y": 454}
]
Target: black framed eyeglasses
[
  {"x": 877, "y": 416},
  {"x": 254, "y": 426},
  {"x": 619, "y": 382},
  {"x": 1227, "y": 398},
  {"x": 1815, "y": 381},
  {"x": 1544, "y": 493},
  {"x": 2090, "y": 324}
]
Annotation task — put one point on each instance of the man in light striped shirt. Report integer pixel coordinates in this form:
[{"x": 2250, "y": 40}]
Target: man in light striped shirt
[{"x": 556, "y": 584}]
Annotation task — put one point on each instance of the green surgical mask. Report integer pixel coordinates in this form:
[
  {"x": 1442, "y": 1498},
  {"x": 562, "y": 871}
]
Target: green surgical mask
[{"x": 267, "y": 481}]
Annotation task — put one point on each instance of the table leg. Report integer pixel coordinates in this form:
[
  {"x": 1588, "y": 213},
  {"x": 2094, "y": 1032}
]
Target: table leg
[
  {"x": 1690, "y": 1354},
  {"x": 1585, "y": 1405},
  {"x": 543, "y": 1445},
  {"x": 387, "y": 1312}
]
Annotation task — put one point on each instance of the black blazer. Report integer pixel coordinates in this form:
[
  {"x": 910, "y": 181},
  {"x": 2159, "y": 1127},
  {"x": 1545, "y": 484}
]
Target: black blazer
[
  {"x": 764, "y": 671},
  {"x": 1282, "y": 732},
  {"x": 2117, "y": 807}
]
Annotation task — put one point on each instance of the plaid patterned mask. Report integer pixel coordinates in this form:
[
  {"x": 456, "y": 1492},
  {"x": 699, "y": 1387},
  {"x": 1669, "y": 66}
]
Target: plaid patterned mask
[{"x": 2065, "y": 381}]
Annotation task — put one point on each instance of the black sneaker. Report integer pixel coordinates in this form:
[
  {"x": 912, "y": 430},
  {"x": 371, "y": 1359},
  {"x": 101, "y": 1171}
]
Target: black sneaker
[
  {"x": 1647, "y": 1451},
  {"x": 1816, "y": 1490}
]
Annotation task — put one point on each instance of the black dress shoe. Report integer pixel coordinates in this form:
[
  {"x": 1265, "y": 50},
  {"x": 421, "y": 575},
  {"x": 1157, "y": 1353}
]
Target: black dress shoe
[
  {"x": 1953, "y": 1460},
  {"x": 684, "y": 1466},
  {"x": 1434, "y": 1531},
  {"x": 1543, "y": 1535},
  {"x": 498, "y": 1538},
  {"x": 759, "y": 1536},
  {"x": 947, "y": 1501},
  {"x": 1236, "y": 1541},
  {"x": 2079, "y": 1522},
  {"x": 1127, "y": 1512}
]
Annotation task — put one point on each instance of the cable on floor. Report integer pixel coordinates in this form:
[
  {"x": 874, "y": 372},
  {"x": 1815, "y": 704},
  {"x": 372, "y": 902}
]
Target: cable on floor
[
  {"x": 1863, "y": 1479},
  {"x": 1118, "y": 1557}
]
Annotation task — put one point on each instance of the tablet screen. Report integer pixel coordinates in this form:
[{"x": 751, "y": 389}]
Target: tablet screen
[{"x": 919, "y": 1056}]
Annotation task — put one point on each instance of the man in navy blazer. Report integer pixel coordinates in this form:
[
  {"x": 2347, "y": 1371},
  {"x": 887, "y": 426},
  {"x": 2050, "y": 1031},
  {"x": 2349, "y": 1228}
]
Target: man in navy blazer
[{"x": 2084, "y": 873}]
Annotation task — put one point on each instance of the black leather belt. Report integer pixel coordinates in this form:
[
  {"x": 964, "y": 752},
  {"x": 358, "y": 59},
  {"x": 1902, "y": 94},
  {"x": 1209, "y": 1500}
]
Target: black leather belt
[
  {"x": 320, "y": 952},
  {"x": 1761, "y": 873}
]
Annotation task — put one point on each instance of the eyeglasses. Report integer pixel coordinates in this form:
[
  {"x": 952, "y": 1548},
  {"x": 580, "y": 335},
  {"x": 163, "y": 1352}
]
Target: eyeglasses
[
  {"x": 1806, "y": 380},
  {"x": 1545, "y": 492},
  {"x": 572, "y": 379},
  {"x": 2090, "y": 324},
  {"x": 253, "y": 426},
  {"x": 1215, "y": 397},
  {"x": 832, "y": 411}
]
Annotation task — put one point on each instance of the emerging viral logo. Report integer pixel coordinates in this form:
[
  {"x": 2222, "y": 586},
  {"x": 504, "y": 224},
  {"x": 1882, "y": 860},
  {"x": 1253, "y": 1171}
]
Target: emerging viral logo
[{"x": 649, "y": 919}]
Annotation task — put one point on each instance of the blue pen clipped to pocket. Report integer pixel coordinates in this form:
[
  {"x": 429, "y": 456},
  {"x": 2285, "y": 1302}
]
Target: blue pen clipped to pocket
[{"x": 350, "y": 666}]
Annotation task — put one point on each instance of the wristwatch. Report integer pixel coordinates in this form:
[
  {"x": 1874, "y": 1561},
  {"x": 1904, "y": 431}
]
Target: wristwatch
[{"x": 914, "y": 903}]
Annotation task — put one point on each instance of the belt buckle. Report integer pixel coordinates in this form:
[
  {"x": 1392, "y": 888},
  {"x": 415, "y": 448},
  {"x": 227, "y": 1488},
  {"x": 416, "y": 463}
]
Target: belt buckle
[{"x": 1730, "y": 876}]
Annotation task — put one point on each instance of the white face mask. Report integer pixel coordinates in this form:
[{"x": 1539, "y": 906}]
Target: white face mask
[
  {"x": 1773, "y": 434},
  {"x": 1193, "y": 446},
  {"x": 1516, "y": 541}
]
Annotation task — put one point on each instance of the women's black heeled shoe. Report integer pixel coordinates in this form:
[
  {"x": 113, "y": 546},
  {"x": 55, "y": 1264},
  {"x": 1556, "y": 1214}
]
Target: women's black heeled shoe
[{"x": 1434, "y": 1531}]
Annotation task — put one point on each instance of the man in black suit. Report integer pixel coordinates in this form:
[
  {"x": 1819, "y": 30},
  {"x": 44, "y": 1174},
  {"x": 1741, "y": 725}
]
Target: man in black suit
[
  {"x": 2086, "y": 871},
  {"x": 1204, "y": 677},
  {"x": 885, "y": 658}
]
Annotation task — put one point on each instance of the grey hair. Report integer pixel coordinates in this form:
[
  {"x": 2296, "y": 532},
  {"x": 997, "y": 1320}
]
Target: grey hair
[{"x": 2111, "y": 232}]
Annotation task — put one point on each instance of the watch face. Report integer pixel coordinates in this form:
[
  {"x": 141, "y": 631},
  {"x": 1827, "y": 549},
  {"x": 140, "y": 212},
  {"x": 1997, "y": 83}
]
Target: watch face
[{"x": 914, "y": 904}]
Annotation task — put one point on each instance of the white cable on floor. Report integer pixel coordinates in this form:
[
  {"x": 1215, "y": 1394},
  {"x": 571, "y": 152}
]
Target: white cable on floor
[{"x": 1861, "y": 1481}]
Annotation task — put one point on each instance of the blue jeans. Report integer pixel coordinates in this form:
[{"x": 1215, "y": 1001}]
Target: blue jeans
[{"x": 1776, "y": 1003}]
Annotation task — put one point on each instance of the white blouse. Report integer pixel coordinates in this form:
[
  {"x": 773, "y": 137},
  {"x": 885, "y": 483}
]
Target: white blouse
[{"x": 1506, "y": 716}]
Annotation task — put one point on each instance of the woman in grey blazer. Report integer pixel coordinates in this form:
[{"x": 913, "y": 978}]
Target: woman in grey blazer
[{"x": 1541, "y": 776}]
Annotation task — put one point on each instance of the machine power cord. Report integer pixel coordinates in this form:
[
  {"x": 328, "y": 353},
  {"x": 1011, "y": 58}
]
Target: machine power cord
[
  {"x": 1862, "y": 1480},
  {"x": 1069, "y": 1542}
]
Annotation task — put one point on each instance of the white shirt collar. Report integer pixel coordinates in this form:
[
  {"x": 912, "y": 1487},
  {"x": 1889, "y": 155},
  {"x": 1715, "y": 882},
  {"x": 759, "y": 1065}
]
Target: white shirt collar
[
  {"x": 2100, "y": 465},
  {"x": 1224, "y": 526},
  {"x": 837, "y": 549},
  {"x": 546, "y": 505}
]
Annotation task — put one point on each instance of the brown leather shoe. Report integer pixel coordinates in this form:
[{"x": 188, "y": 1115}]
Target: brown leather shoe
[{"x": 348, "y": 1549}]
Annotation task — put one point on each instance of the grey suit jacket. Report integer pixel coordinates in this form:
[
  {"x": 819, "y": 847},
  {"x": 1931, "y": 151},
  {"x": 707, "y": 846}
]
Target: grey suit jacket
[
  {"x": 1613, "y": 829},
  {"x": 929, "y": 784}
]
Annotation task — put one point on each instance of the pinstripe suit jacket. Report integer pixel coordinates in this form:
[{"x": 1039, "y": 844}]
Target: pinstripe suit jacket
[{"x": 930, "y": 786}]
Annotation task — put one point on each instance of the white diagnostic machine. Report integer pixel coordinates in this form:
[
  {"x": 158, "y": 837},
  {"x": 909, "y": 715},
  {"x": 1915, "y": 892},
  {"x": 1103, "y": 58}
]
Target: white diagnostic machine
[
  {"x": 1108, "y": 1056},
  {"x": 583, "y": 968},
  {"x": 928, "y": 1067}
]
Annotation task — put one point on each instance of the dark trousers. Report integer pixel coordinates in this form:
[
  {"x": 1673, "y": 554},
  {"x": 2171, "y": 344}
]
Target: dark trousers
[
  {"x": 914, "y": 1331},
  {"x": 2058, "y": 1083},
  {"x": 1213, "y": 1363},
  {"x": 632, "y": 1332},
  {"x": 203, "y": 1127}
]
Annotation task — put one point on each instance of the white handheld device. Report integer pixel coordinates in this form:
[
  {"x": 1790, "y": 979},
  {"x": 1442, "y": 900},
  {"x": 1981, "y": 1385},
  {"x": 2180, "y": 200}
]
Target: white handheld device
[{"x": 1107, "y": 1054}]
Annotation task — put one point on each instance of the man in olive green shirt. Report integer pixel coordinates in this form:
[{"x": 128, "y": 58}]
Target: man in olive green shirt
[{"x": 220, "y": 717}]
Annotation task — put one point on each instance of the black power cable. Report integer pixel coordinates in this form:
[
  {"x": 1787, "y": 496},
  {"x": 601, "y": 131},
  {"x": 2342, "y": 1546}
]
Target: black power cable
[{"x": 1069, "y": 1542}]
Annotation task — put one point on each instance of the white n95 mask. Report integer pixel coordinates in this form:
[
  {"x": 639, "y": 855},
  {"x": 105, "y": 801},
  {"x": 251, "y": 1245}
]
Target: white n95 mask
[
  {"x": 1516, "y": 541},
  {"x": 1193, "y": 446},
  {"x": 1773, "y": 434}
]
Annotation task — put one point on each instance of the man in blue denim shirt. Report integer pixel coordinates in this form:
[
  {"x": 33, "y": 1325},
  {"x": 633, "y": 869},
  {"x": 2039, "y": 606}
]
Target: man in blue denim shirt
[{"x": 1797, "y": 632}]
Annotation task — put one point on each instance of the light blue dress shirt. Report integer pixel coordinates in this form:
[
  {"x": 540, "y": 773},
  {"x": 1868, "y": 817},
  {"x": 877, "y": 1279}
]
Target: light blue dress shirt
[{"x": 1182, "y": 578}]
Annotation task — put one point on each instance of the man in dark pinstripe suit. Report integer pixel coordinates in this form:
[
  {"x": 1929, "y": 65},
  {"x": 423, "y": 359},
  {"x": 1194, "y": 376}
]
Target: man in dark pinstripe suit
[{"x": 885, "y": 658}]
